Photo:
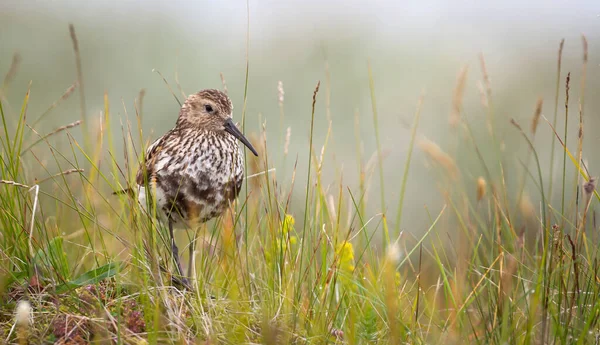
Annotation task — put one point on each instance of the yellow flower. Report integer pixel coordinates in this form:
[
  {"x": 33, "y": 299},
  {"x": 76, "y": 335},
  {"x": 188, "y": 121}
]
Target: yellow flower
[
  {"x": 287, "y": 228},
  {"x": 284, "y": 236},
  {"x": 345, "y": 253},
  {"x": 288, "y": 224}
]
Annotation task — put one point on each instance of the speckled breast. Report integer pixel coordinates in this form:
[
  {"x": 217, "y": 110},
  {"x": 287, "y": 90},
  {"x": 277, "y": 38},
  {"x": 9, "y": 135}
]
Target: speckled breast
[{"x": 199, "y": 182}]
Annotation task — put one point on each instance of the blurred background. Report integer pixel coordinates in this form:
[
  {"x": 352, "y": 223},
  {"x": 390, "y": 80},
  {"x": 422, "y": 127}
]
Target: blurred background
[{"x": 414, "y": 48}]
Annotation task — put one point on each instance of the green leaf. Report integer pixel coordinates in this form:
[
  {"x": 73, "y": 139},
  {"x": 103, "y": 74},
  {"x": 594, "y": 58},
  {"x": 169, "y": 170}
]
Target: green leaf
[
  {"x": 91, "y": 277},
  {"x": 54, "y": 257}
]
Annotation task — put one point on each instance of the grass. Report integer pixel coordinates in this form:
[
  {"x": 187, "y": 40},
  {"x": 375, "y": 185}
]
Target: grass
[{"x": 80, "y": 265}]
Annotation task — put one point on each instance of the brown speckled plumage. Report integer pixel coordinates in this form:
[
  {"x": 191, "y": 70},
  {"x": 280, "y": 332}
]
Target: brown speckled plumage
[
  {"x": 196, "y": 174},
  {"x": 195, "y": 169}
]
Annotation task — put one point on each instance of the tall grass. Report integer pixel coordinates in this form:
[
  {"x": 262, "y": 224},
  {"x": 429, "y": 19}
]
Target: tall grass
[{"x": 94, "y": 267}]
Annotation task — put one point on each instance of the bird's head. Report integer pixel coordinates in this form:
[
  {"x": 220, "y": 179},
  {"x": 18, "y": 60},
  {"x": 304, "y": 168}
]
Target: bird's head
[{"x": 211, "y": 110}]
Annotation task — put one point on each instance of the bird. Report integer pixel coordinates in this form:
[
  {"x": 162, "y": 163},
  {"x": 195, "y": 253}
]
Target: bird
[{"x": 194, "y": 171}]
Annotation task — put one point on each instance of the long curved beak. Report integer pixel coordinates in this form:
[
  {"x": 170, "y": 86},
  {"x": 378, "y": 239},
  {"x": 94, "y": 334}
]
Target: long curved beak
[{"x": 232, "y": 129}]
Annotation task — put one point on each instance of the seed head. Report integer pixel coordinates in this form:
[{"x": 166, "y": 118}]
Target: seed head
[
  {"x": 286, "y": 146},
  {"x": 280, "y": 92},
  {"x": 590, "y": 186},
  {"x": 394, "y": 253},
  {"x": 457, "y": 100},
  {"x": 526, "y": 207},
  {"x": 536, "y": 115},
  {"x": 436, "y": 154},
  {"x": 481, "y": 187},
  {"x": 23, "y": 313}
]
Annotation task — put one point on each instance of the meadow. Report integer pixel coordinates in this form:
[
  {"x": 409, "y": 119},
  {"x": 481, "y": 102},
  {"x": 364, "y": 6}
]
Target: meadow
[{"x": 300, "y": 259}]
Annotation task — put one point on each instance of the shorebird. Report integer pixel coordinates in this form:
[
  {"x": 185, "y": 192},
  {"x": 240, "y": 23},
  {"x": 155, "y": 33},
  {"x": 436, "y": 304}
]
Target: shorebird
[{"x": 195, "y": 170}]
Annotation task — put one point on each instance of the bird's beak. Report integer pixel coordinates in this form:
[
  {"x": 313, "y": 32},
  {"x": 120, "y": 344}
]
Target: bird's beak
[{"x": 232, "y": 129}]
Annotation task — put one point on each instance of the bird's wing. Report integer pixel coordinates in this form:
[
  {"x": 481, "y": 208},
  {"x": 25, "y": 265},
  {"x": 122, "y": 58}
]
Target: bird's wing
[{"x": 146, "y": 170}]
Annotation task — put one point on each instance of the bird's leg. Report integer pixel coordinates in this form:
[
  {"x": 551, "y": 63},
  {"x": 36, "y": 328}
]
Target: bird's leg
[
  {"x": 175, "y": 252},
  {"x": 192, "y": 249}
]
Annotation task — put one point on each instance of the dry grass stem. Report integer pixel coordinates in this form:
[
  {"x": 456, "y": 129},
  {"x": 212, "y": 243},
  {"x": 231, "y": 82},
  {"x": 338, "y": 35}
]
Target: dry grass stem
[
  {"x": 457, "y": 99},
  {"x": 13, "y": 183},
  {"x": 56, "y": 131},
  {"x": 66, "y": 172},
  {"x": 79, "y": 71},
  {"x": 12, "y": 70},
  {"x": 224, "y": 83},
  {"x": 65, "y": 95}
]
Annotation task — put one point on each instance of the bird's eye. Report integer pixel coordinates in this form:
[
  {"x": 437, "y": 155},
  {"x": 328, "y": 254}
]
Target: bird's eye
[{"x": 208, "y": 108}]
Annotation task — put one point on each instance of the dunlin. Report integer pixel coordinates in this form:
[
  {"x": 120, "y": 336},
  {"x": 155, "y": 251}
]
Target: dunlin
[{"x": 194, "y": 171}]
